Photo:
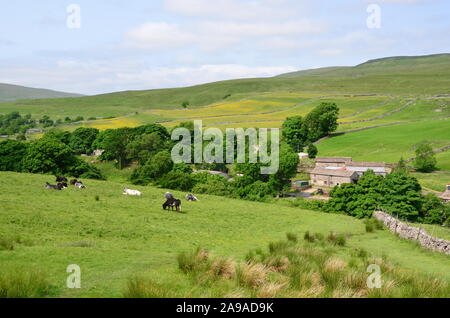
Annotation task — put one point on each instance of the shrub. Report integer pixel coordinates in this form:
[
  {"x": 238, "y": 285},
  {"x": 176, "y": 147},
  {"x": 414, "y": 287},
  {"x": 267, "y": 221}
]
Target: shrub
[{"x": 177, "y": 181}]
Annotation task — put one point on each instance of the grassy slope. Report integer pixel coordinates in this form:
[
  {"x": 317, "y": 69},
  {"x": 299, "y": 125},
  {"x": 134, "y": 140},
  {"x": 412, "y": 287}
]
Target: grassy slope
[
  {"x": 387, "y": 143},
  {"x": 415, "y": 76},
  {"x": 10, "y": 92},
  {"x": 130, "y": 235}
]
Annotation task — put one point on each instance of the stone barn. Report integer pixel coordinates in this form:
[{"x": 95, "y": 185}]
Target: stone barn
[
  {"x": 324, "y": 162},
  {"x": 332, "y": 177},
  {"x": 379, "y": 168}
]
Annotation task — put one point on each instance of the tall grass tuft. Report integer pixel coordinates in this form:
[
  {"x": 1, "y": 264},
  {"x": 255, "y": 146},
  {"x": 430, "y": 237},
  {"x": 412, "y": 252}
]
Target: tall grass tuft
[
  {"x": 192, "y": 262},
  {"x": 138, "y": 287},
  {"x": 292, "y": 237},
  {"x": 337, "y": 239},
  {"x": 6, "y": 244},
  {"x": 251, "y": 275},
  {"x": 24, "y": 284}
]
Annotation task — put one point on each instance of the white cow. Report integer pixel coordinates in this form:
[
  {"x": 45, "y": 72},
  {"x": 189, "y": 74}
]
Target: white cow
[{"x": 127, "y": 191}]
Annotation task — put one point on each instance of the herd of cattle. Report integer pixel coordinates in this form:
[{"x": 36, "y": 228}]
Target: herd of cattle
[
  {"x": 62, "y": 184},
  {"x": 171, "y": 201}
]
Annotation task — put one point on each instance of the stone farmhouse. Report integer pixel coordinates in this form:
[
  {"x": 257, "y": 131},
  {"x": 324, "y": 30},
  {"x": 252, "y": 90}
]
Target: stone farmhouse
[
  {"x": 446, "y": 195},
  {"x": 332, "y": 177},
  {"x": 333, "y": 171}
]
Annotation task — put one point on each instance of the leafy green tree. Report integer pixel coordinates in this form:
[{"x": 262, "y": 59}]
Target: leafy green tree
[
  {"x": 176, "y": 180},
  {"x": 182, "y": 167},
  {"x": 434, "y": 210},
  {"x": 143, "y": 147},
  {"x": 288, "y": 164},
  {"x": 322, "y": 121},
  {"x": 48, "y": 155},
  {"x": 312, "y": 151},
  {"x": 115, "y": 142},
  {"x": 12, "y": 153},
  {"x": 295, "y": 133},
  {"x": 151, "y": 129},
  {"x": 154, "y": 168},
  {"x": 401, "y": 195},
  {"x": 425, "y": 158},
  {"x": 59, "y": 135},
  {"x": 81, "y": 140}
]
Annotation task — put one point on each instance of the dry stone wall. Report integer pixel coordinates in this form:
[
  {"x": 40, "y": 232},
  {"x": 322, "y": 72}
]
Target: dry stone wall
[{"x": 413, "y": 233}]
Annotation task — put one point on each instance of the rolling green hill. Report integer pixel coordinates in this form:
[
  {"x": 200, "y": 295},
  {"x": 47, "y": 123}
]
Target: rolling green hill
[
  {"x": 10, "y": 92},
  {"x": 426, "y": 75},
  {"x": 117, "y": 237}
]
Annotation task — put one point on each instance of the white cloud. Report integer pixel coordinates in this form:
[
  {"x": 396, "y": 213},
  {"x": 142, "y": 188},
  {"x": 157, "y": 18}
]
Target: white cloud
[
  {"x": 233, "y": 9},
  {"x": 108, "y": 76},
  {"x": 212, "y": 35},
  {"x": 158, "y": 35}
]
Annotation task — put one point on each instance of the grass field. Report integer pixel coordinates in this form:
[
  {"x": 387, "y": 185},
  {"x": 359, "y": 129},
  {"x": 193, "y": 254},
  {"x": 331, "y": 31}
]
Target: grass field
[
  {"x": 118, "y": 237},
  {"x": 388, "y": 143}
]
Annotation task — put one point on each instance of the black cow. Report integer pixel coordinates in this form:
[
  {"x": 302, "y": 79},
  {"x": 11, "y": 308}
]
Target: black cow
[
  {"x": 172, "y": 203},
  {"x": 73, "y": 181},
  {"x": 61, "y": 179}
]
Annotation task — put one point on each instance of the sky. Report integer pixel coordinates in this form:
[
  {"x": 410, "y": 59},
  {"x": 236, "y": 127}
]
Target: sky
[{"x": 100, "y": 46}]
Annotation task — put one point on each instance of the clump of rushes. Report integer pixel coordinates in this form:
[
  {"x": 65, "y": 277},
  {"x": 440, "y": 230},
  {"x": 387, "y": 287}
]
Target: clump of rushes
[
  {"x": 192, "y": 262},
  {"x": 337, "y": 239},
  {"x": 292, "y": 237},
  {"x": 97, "y": 198}
]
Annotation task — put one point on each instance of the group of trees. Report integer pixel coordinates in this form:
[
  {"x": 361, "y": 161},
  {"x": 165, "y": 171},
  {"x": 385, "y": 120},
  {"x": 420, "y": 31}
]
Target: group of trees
[
  {"x": 14, "y": 123},
  {"x": 398, "y": 194},
  {"x": 46, "y": 155},
  {"x": 301, "y": 132}
]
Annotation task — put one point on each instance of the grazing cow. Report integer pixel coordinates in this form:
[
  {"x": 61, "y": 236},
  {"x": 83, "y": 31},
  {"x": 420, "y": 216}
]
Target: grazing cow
[
  {"x": 168, "y": 195},
  {"x": 63, "y": 185},
  {"x": 127, "y": 191},
  {"x": 61, "y": 179},
  {"x": 80, "y": 185},
  {"x": 172, "y": 203},
  {"x": 49, "y": 186},
  {"x": 191, "y": 197},
  {"x": 73, "y": 181}
]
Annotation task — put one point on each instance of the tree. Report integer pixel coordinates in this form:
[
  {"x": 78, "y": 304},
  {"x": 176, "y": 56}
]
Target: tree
[
  {"x": 115, "y": 142},
  {"x": 425, "y": 158},
  {"x": 294, "y": 132},
  {"x": 81, "y": 140},
  {"x": 154, "y": 168},
  {"x": 288, "y": 164},
  {"x": 185, "y": 104},
  {"x": 142, "y": 148},
  {"x": 59, "y": 135},
  {"x": 48, "y": 155},
  {"x": 358, "y": 200},
  {"x": 176, "y": 180},
  {"x": 12, "y": 153},
  {"x": 322, "y": 121},
  {"x": 401, "y": 195},
  {"x": 434, "y": 210},
  {"x": 312, "y": 151}
]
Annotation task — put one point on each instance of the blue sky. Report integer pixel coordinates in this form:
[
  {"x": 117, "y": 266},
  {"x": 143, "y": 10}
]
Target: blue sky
[{"x": 123, "y": 45}]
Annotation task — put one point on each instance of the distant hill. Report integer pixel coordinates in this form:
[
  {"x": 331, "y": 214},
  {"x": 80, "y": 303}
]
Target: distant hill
[
  {"x": 9, "y": 92},
  {"x": 416, "y": 75},
  {"x": 438, "y": 63}
]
